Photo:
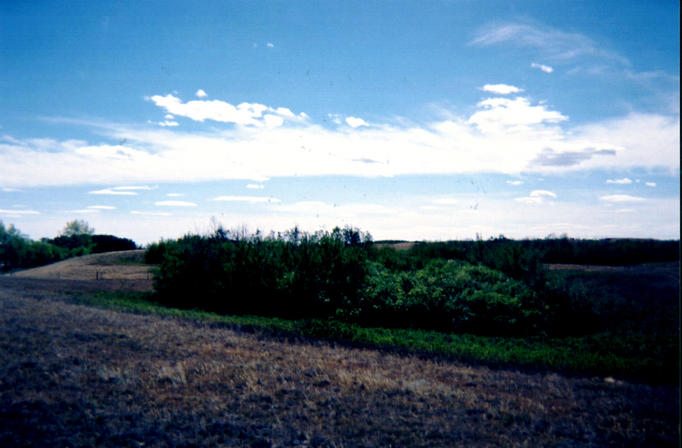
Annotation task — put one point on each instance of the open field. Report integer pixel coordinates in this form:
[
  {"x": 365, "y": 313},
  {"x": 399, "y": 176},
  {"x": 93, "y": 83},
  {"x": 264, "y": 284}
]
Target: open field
[
  {"x": 123, "y": 265},
  {"x": 124, "y": 270},
  {"x": 73, "y": 375}
]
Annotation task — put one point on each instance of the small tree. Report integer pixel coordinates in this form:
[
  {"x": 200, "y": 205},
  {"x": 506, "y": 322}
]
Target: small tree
[{"x": 77, "y": 227}]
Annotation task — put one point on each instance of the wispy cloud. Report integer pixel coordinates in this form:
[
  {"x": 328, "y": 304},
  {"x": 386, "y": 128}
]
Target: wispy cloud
[
  {"x": 85, "y": 211},
  {"x": 17, "y": 213},
  {"x": 621, "y": 198},
  {"x": 515, "y": 182},
  {"x": 543, "y": 67},
  {"x": 255, "y": 186},
  {"x": 650, "y": 184},
  {"x": 149, "y": 213},
  {"x": 249, "y": 199},
  {"x": 126, "y": 190},
  {"x": 270, "y": 45},
  {"x": 624, "y": 181},
  {"x": 175, "y": 204},
  {"x": 552, "y": 43},
  {"x": 114, "y": 192},
  {"x": 201, "y": 94},
  {"x": 175, "y": 195},
  {"x": 502, "y": 89},
  {"x": 102, "y": 207}
]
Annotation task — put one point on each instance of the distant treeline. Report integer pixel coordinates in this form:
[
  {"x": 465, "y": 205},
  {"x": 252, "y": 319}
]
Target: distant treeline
[
  {"x": 493, "y": 287},
  {"x": 17, "y": 251},
  {"x": 610, "y": 251}
]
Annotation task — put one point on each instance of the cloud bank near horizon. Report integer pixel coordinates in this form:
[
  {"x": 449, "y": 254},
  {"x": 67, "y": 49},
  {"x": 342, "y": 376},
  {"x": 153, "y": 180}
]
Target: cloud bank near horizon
[{"x": 258, "y": 142}]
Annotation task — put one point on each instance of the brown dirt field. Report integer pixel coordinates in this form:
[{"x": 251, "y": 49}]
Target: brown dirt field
[{"x": 72, "y": 375}]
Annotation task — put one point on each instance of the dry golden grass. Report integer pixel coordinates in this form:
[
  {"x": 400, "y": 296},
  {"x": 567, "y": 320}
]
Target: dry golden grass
[
  {"x": 122, "y": 265},
  {"x": 72, "y": 375}
]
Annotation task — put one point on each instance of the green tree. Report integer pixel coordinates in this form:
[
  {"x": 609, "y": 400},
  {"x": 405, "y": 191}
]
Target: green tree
[{"x": 77, "y": 227}]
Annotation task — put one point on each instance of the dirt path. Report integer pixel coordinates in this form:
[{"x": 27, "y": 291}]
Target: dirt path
[{"x": 72, "y": 375}]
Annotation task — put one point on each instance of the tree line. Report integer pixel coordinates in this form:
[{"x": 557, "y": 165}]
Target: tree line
[{"x": 18, "y": 251}]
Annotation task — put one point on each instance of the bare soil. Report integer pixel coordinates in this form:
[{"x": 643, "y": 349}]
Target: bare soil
[{"x": 72, "y": 375}]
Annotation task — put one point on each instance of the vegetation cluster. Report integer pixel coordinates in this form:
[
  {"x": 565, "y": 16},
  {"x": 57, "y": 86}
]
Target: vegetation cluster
[
  {"x": 17, "y": 251},
  {"x": 497, "y": 287}
]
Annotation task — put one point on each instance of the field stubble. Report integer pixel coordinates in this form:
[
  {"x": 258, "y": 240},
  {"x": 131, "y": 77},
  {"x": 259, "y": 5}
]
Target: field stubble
[{"x": 72, "y": 375}]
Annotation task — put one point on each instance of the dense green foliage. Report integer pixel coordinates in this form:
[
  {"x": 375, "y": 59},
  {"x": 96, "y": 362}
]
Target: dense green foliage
[
  {"x": 496, "y": 287},
  {"x": 17, "y": 251},
  {"x": 292, "y": 275}
]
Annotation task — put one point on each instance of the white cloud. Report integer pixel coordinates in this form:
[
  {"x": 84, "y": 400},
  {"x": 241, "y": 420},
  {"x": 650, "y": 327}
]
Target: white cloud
[
  {"x": 149, "y": 213},
  {"x": 543, "y": 67},
  {"x": 168, "y": 124},
  {"x": 621, "y": 198},
  {"x": 537, "y": 197},
  {"x": 502, "y": 135},
  {"x": 9, "y": 190},
  {"x": 201, "y": 94},
  {"x": 102, "y": 207},
  {"x": 507, "y": 115},
  {"x": 113, "y": 192},
  {"x": 273, "y": 121},
  {"x": 169, "y": 117},
  {"x": 134, "y": 187},
  {"x": 175, "y": 204},
  {"x": 175, "y": 195},
  {"x": 17, "y": 213},
  {"x": 85, "y": 211},
  {"x": 445, "y": 201},
  {"x": 650, "y": 184},
  {"x": 515, "y": 182},
  {"x": 126, "y": 190},
  {"x": 502, "y": 89},
  {"x": 249, "y": 199},
  {"x": 255, "y": 186},
  {"x": 355, "y": 122},
  {"x": 270, "y": 45},
  {"x": 624, "y": 181},
  {"x": 244, "y": 114}
]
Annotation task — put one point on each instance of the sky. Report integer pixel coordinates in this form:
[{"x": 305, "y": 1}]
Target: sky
[{"x": 414, "y": 120}]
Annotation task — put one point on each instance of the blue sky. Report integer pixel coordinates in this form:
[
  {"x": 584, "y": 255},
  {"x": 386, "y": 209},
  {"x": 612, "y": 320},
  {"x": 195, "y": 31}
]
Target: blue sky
[{"x": 411, "y": 120}]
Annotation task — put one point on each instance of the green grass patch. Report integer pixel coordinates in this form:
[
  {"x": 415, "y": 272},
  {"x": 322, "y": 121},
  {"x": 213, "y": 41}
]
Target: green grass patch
[{"x": 634, "y": 357}]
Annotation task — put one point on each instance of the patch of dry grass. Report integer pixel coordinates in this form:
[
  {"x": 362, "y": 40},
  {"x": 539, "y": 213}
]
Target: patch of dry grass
[
  {"x": 122, "y": 265},
  {"x": 71, "y": 375}
]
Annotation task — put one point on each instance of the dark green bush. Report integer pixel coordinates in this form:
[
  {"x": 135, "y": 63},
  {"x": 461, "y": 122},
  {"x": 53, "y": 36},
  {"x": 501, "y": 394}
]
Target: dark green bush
[
  {"x": 111, "y": 243},
  {"x": 294, "y": 275}
]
